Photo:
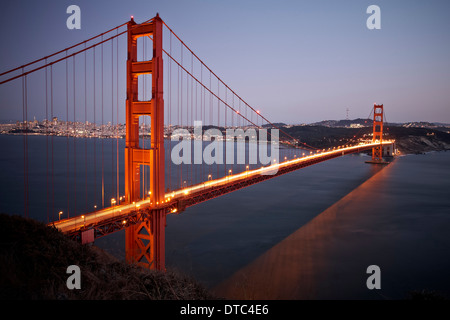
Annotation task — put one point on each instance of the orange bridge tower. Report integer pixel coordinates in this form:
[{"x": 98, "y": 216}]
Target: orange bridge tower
[
  {"x": 144, "y": 241},
  {"x": 377, "y": 151}
]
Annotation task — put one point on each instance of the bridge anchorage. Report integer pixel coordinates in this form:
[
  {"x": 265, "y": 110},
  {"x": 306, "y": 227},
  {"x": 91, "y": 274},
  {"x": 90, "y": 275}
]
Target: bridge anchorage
[{"x": 144, "y": 218}]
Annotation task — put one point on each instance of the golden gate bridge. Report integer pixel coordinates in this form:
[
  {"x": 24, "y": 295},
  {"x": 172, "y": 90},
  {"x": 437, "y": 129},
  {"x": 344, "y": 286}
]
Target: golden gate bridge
[{"x": 168, "y": 83}]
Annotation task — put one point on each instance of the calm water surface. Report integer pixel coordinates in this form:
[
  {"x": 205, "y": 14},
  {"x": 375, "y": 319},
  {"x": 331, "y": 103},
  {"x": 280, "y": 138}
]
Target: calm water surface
[{"x": 309, "y": 234}]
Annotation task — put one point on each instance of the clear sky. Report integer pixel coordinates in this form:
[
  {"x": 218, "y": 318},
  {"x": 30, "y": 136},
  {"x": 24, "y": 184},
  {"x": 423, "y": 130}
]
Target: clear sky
[{"x": 296, "y": 61}]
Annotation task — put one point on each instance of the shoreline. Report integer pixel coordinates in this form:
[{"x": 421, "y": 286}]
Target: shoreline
[{"x": 403, "y": 150}]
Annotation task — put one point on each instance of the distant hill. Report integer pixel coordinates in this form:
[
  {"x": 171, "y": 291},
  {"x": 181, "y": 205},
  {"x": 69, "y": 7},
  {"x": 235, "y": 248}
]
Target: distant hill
[
  {"x": 369, "y": 122},
  {"x": 276, "y": 124},
  {"x": 408, "y": 139},
  {"x": 343, "y": 123}
]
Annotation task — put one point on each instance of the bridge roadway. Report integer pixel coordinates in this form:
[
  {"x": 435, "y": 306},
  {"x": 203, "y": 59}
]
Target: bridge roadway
[{"x": 117, "y": 217}]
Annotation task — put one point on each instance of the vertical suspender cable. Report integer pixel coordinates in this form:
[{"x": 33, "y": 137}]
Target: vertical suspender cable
[
  {"x": 170, "y": 109},
  {"x": 67, "y": 132},
  {"x": 234, "y": 142},
  {"x": 117, "y": 114},
  {"x": 102, "y": 137},
  {"x": 74, "y": 143},
  {"x": 181, "y": 112},
  {"x": 210, "y": 112},
  {"x": 26, "y": 146},
  {"x": 25, "y": 143},
  {"x": 51, "y": 115},
  {"x": 95, "y": 134},
  {"x": 196, "y": 118},
  {"x": 192, "y": 114},
  {"x": 85, "y": 132},
  {"x": 112, "y": 118},
  {"x": 46, "y": 143},
  {"x": 218, "y": 119},
  {"x": 225, "y": 126},
  {"x": 179, "y": 120}
]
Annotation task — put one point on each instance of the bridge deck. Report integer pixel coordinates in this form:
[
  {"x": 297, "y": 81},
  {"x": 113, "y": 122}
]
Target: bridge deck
[{"x": 117, "y": 217}]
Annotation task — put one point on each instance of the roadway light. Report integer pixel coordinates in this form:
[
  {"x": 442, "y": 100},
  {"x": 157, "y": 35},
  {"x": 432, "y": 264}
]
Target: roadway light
[{"x": 60, "y": 213}]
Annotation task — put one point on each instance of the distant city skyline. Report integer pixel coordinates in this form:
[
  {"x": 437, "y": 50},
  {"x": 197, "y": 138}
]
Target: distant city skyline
[{"x": 296, "y": 61}]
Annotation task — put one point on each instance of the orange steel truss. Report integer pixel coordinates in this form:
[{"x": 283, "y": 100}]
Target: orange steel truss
[
  {"x": 144, "y": 241},
  {"x": 377, "y": 152}
]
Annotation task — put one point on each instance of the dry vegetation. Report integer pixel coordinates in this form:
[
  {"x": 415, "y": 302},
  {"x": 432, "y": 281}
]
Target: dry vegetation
[{"x": 34, "y": 259}]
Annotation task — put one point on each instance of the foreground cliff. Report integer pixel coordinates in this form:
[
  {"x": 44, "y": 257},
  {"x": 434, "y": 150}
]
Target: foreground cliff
[{"x": 34, "y": 260}]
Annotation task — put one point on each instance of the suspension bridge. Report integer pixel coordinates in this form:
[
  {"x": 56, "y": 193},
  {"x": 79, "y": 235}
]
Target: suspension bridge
[{"x": 165, "y": 88}]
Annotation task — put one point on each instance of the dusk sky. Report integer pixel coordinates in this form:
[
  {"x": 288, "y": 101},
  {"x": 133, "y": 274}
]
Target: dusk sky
[{"x": 296, "y": 61}]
